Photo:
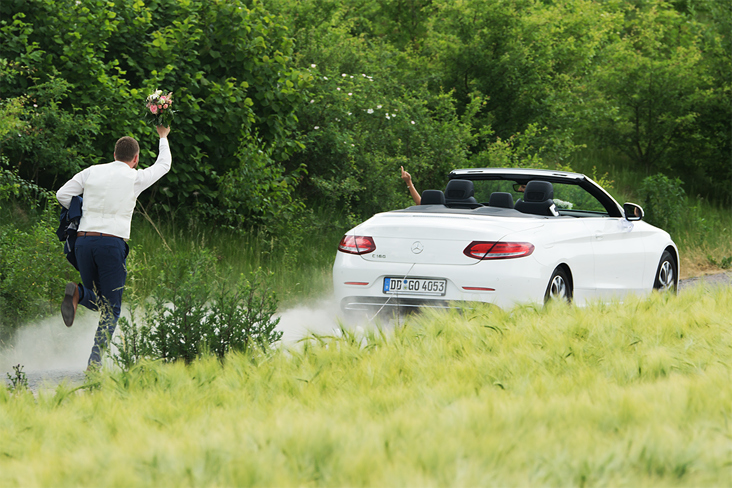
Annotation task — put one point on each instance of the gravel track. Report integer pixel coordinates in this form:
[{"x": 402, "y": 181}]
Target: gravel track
[
  {"x": 45, "y": 380},
  {"x": 724, "y": 278}
]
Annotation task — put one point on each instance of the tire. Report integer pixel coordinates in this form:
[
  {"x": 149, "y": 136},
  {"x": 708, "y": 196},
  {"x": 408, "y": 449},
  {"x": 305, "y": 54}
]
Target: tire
[
  {"x": 560, "y": 286},
  {"x": 666, "y": 275}
]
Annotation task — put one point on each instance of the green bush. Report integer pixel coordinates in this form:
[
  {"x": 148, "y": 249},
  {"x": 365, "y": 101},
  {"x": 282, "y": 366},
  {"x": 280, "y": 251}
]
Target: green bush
[
  {"x": 228, "y": 63},
  {"x": 362, "y": 126},
  {"x": 33, "y": 272},
  {"x": 32, "y": 265},
  {"x": 194, "y": 310},
  {"x": 52, "y": 142},
  {"x": 663, "y": 200}
]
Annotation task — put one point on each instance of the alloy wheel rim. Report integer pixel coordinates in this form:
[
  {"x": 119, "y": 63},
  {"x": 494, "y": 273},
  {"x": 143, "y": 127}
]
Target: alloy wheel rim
[
  {"x": 558, "y": 288},
  {"x": 666, "y": 276}
]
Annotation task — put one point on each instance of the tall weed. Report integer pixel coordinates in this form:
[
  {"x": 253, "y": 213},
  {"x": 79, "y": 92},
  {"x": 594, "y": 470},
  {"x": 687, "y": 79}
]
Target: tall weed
[
  {"x": 193, "y": 310},
  {"x": 299, "y": 258}
]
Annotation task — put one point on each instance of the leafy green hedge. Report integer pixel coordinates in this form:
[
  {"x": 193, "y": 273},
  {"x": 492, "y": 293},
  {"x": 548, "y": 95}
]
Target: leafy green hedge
[
  {"x": 86, "y": 68},
  {"x": 261, "y": 130},
  {"x": 33, "y": 272},
  {"x": 664, "y": 201}
]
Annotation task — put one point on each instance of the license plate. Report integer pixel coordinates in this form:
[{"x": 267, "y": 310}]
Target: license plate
[{"x": 414, "y": 286}]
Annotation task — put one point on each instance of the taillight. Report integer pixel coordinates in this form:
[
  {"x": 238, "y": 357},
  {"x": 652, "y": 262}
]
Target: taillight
[
  {"x": 357, "y": 244},
  {"x": 498, "y": 250}
]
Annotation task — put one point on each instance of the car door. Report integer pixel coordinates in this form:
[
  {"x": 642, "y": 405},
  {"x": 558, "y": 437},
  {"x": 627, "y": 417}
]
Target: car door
[
  {"x": 619, "y": 256},
  {"x": 569, "y": 242},
  {"x": 617, "y": 245}
]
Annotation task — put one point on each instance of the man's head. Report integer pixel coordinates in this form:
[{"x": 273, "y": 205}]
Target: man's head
[{"x": 127, "y": 150}]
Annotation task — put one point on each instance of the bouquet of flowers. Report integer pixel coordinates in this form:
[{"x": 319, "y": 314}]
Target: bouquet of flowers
[{"x": 159, "y": 108}]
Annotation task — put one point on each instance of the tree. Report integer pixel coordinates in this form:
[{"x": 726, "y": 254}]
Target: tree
[{"x": 645, "y": 94}]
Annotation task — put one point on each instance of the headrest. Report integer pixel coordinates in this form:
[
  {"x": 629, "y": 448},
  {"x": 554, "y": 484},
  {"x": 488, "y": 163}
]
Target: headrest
[
  {"x": 432, "y": 197},
  {"x": 501, "y": 199},
  {"x": 538, "y": 191},
  {"x": 459, "y": 190}
]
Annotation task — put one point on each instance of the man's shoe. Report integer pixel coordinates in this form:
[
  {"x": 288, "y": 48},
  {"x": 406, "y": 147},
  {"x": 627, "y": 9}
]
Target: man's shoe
[{"x": 68, "y": 305}]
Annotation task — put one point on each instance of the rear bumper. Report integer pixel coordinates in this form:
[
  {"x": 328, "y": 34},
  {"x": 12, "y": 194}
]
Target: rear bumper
[
  {"x": 392, "y": 305},
  {"x": 358, "y": 284}
]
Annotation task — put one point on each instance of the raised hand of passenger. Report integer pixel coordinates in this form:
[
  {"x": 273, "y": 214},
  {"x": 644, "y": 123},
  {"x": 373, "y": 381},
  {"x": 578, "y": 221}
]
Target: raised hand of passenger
[{"x": 406, "y": 177}]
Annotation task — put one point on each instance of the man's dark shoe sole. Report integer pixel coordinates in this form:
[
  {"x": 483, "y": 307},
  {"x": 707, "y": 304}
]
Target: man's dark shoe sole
[{"x": 67, "y": 305}]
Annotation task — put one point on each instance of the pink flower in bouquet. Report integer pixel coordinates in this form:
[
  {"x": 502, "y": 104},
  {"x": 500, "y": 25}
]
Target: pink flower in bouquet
[
  {"x": 165, "y": 106},
  {"x": 154, "y": 109}
]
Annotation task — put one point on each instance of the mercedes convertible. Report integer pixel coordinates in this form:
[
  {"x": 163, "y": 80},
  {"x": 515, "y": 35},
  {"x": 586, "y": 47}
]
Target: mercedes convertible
[{"x": 505, "y": 237}]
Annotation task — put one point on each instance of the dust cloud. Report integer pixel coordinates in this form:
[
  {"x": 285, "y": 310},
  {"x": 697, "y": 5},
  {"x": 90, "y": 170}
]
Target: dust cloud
[
  {"x": 49, "y": 345},
  {"x": 321, "y": 317},
  {"x": 50, "y": 349}
]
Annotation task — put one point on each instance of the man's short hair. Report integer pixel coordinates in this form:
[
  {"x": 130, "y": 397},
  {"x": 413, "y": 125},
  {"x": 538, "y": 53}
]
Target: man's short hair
[{"x": 126, "y": 149}]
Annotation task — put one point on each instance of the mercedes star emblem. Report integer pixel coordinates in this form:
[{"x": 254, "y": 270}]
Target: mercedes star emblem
[{"x": 417, "y": 247}]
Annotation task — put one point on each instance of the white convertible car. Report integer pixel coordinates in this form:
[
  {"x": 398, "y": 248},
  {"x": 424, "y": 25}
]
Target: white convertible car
[{"x": 503, "y": 236}]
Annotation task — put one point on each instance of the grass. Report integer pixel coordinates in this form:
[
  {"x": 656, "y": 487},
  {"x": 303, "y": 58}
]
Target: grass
[
  {"x": 637, "y": 394},
  {"x": 300, "y": 263}
]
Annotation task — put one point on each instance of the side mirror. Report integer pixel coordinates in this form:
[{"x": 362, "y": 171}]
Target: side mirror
[{"x": 633, "y": 212}]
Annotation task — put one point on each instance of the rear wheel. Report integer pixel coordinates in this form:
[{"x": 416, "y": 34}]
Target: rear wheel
[
  {"x": 560, "y": 287},
  {"x": 666, "y": 274}
]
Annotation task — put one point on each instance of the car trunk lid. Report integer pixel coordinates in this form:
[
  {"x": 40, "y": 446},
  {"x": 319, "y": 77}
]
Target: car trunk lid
[{"x": 434, "y": 239}]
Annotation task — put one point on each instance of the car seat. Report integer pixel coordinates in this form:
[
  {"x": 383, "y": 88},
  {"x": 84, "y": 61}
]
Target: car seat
[
  {"x": 459, "y": 194},
  {"x": 538, "y": 199},
  {"x": 432, "y": 197},
  {"x": 501, "y": 199}
]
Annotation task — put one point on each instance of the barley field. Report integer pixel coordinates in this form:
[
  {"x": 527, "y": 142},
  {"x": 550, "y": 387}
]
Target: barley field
[{"x": 637, "y": 393}]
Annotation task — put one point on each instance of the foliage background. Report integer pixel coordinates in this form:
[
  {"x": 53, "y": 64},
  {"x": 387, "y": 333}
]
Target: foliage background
[
  {"x": 294, "y": 117},
  {"x": 321, "y": 102}
]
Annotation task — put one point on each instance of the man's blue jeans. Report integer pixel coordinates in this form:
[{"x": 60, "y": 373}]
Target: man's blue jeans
[{"x": 102, "y": 265}]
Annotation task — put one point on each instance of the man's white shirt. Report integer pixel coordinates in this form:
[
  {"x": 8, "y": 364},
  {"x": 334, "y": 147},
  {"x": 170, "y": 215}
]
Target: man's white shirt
[{"x": 110, "y": 192}]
